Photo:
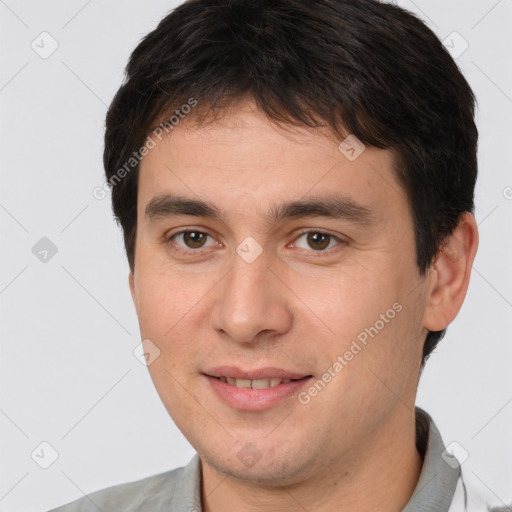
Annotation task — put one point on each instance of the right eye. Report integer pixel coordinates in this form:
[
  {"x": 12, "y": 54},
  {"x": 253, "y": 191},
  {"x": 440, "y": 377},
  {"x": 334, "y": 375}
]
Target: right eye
[{"x": 189, "y": 241}]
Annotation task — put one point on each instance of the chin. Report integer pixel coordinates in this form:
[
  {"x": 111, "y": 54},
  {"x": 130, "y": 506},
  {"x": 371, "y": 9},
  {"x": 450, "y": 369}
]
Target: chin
[{"x": 261, "y": 466}]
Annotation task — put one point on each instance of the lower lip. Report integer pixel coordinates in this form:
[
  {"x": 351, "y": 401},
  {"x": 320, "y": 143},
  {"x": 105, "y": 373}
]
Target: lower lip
[{"x": 249, "y": 399}]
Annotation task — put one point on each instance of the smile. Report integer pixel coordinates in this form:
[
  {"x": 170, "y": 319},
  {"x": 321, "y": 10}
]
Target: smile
[
  {"x": 255, "y": 394},
  {"x": 256, "y": 383}
]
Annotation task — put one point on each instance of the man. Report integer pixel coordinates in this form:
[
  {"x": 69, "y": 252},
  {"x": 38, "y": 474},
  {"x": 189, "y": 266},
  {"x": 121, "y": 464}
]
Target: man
[{"x": 295, "y": 182}]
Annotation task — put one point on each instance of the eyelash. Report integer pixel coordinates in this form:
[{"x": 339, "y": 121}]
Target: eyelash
[{"x": 183, "y": 251}]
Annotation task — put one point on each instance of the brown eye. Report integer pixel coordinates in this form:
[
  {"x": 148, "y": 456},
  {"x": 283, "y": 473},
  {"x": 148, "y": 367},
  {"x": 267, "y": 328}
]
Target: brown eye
[
  {"x": 194, "y": 239},
  {"x": 318, "y": 241},
  {"x": 190, "y": 242}
]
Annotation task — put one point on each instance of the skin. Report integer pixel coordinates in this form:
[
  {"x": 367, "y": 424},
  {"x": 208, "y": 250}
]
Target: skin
[{"x": 352, "y": 447}]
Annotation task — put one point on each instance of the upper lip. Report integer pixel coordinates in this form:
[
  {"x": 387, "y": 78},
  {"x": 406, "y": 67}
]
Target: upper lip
[{"x": 254, "y": 374}]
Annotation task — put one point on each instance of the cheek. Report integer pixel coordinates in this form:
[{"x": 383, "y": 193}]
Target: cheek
[
  {"x": 345, "y": 304},
  {"x": 167, "y": 304},
  {"x": 172, "y": 313},
  {"x": 367, "y": 320},
  {"x": 155, "y": 309},
  {"x": 165, "y": 297}
]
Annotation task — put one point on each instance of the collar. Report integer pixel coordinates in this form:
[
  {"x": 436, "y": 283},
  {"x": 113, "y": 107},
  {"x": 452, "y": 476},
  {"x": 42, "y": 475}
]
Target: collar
[{"x": 440, "y": 471}]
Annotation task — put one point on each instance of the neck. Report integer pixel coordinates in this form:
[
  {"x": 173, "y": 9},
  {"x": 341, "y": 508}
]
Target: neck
[{"x": 381, "y": 476}]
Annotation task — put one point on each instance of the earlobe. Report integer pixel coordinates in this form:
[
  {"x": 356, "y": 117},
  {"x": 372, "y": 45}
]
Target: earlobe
[{"x": 450, "y": 273}]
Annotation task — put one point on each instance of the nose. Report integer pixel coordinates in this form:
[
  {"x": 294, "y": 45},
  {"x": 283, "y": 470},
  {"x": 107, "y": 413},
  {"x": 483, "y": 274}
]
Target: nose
[{"x": 251, "y": 303}]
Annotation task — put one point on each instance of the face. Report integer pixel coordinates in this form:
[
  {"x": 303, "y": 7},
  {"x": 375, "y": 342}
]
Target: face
[{"x": 264, "y": 254}]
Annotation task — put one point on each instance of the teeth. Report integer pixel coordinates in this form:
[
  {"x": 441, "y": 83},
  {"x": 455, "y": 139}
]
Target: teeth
[
  {"x": 243, "y": 383},
  {"x": 254, "y": 384},
  {"x": 260, "y": 384}
]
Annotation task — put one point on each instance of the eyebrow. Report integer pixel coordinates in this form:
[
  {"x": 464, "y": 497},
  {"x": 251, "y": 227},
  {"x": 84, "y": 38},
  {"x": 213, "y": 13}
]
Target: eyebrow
[{"x": 331, "y": 206}]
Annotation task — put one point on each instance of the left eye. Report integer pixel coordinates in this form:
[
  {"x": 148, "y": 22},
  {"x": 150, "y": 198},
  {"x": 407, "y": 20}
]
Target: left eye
[{"x": 317, "y": 241}]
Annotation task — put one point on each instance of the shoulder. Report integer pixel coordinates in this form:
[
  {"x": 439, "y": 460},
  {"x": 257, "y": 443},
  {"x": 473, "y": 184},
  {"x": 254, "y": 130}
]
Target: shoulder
[{"x": 151, "y": 493}]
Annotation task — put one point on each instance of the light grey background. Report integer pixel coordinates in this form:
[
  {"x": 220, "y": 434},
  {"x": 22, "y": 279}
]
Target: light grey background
[{"x": 68, "y": 327}]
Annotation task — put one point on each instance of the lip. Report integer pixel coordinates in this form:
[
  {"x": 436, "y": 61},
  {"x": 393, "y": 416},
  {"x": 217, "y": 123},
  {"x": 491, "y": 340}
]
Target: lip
[
  {"x": 255, "y": 374},
  {"x": 248, "y": 399}
]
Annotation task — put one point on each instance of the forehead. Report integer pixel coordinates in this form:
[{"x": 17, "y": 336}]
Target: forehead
[{"x": 244, "y": 157}]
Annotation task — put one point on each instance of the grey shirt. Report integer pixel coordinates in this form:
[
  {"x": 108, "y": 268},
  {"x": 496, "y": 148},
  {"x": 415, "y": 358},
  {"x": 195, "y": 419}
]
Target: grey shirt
[{"x": 179, "y": 490}]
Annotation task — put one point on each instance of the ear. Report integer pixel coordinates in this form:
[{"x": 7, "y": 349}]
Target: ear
[{"x": 450, "y": 273}]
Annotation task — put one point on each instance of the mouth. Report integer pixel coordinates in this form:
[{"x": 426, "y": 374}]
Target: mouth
[
  {"x": 257, "y": 383},
  {"x": 255, "y": 390}
]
